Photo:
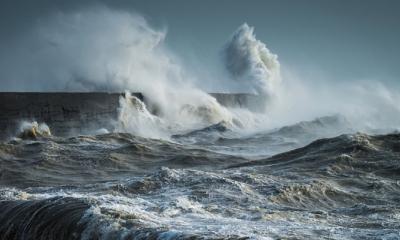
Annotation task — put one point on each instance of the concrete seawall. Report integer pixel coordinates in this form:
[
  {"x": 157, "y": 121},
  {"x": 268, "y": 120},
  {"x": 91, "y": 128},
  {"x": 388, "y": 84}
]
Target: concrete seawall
[{"x": 71, "y": 113}]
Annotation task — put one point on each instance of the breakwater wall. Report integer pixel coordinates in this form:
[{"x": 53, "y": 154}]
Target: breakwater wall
[{"x": 70, "y": 113}]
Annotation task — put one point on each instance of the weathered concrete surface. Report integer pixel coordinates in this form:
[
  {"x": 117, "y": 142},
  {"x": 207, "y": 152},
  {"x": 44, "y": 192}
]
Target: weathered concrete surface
[{"x": 69, "y": 113}]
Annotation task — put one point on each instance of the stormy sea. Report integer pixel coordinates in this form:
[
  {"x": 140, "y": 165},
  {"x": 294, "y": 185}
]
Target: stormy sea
[
  {"x": 295, "y": 164},
  {"x": 304, "y": 181}
]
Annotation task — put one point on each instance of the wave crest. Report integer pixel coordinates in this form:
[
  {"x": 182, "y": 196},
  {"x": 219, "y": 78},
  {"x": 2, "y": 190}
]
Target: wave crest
[{"x": 250, "y": 62}]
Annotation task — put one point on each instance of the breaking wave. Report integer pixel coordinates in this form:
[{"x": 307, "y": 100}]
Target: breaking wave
[
  {"x": 33, "y": 130},
  {"x": 53, "y": 218},
  {"x": 251, "y": 63}
]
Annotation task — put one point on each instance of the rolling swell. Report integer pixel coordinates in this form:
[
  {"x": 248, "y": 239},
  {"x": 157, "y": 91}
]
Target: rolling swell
[
  {"x": 66, "y": 218},
  {"x": 88, "y": 159},
  {"x": 267, "y": 143},
  {"x": 379, "y": 154},
  {"x": 119, "y": 186},
  {"x": 337, "y": 173},
  {"x": 54, "y": 218}
]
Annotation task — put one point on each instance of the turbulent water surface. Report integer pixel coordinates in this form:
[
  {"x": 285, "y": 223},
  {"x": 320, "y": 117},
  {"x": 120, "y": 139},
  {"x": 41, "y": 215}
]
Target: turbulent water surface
[
  {"x": 180, "y": 164},
  {"x": 205, "y": 184}
]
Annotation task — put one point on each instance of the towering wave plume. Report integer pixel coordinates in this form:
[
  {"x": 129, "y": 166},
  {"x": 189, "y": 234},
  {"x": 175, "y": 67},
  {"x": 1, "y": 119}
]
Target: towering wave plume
[
  {"x": 101, "y": 49},
  {"x": 197, "y": 112},
  {"x": 250, "y": 62}
]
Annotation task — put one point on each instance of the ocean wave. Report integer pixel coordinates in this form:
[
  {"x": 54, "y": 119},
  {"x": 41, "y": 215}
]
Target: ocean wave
[
  {"x": 123, "y": 186},
  {"x": 367, "y": 149},
  {"x": 33, "y": 130},
  {"x": 87, "y": 159},
  {"x": 54, "y": 218}
]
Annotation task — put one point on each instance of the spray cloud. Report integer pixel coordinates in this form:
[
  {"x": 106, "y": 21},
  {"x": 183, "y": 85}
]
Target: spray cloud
[
  {"x": 250, "y": 62},
  {"x": 99, "y": 49}
]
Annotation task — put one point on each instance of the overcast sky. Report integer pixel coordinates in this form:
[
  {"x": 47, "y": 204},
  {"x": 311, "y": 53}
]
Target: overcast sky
[{"x": 342, "y": 40}]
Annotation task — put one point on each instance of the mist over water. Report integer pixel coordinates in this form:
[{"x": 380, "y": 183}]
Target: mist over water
[{"x": 180, "y": 165}]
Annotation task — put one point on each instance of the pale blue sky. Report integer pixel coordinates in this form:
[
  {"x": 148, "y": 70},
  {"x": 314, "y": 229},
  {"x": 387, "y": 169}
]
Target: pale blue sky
[{"x": 342, "y": 40}]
